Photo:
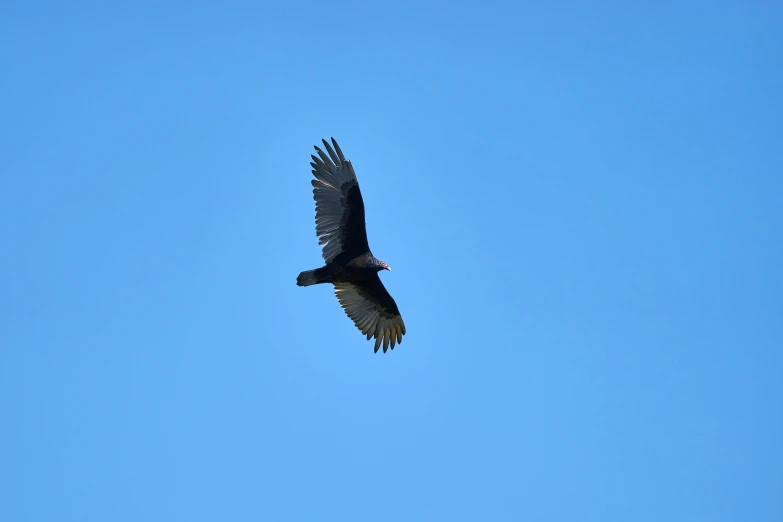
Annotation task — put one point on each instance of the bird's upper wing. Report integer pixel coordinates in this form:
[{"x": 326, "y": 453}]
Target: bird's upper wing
[
  {"x": 339, "y": 208},
  {"x": 372, "y": 310}
]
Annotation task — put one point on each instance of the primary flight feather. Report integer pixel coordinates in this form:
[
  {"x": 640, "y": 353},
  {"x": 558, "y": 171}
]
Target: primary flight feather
[{"x": 350, "y": 265}]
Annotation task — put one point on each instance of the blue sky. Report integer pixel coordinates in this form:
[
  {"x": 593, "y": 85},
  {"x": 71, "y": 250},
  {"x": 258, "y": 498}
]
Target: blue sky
[{"x": 582, "y": 205}]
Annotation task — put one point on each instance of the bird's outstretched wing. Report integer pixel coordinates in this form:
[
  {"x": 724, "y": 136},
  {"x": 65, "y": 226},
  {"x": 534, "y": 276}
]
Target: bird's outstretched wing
[
  {"x": 339, "y": 208},
  {"x": 372, "y": 310}
]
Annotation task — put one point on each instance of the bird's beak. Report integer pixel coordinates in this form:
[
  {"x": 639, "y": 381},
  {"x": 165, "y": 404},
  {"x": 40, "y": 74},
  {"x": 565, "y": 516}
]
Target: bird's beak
[{"x": 387, "y": 267}]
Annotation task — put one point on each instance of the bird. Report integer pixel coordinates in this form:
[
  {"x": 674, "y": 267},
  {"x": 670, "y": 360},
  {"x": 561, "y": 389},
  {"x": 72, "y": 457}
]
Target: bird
[{"x": 350, "y": 265}]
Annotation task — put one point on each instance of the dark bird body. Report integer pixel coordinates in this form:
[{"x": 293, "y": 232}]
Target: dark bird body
[{"x": 350, "y": 265}]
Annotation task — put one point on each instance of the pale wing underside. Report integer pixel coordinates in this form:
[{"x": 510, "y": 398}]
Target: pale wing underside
[{"x": 369, "y": 315}]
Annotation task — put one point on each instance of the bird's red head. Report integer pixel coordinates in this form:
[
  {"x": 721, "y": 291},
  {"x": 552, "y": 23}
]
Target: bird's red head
[{"x": 384, "y": 266}]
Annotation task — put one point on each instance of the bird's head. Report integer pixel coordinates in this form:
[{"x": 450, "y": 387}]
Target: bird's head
[{"x": 380, "y": 265}]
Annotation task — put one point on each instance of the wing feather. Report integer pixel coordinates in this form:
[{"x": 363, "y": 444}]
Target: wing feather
[
  {"x": 339, "y": 207},
  {"x": 373, "y": 311}
]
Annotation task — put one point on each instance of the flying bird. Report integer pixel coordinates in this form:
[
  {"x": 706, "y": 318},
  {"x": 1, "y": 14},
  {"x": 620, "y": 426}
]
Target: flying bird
[{"x": 350, "y": 265}]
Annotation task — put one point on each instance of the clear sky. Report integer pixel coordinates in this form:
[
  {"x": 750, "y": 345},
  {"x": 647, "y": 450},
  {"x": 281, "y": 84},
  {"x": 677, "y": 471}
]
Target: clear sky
[{"x": 582, "y": 205}]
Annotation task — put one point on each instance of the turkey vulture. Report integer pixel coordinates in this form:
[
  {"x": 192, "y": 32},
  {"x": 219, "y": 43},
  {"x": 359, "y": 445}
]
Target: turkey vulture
[{"x": 350, "y": 266}]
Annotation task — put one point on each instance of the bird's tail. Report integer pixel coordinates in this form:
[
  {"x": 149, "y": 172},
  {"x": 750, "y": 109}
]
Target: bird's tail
[{"x": 313, "y": 277}]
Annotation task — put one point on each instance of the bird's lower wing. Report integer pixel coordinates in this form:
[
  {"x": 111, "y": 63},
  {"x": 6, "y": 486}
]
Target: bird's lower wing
[{"x": 372, "y": 310}]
